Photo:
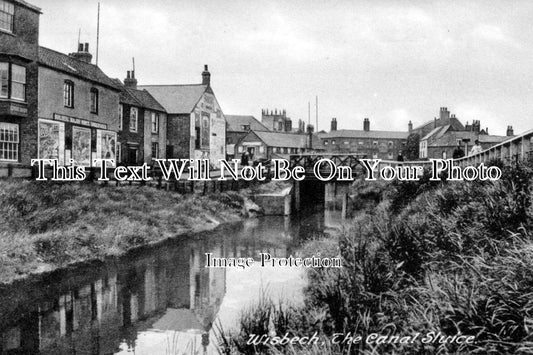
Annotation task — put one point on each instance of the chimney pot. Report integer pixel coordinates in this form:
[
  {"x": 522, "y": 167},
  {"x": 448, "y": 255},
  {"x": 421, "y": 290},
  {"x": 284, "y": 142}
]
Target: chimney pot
[
  {"x": 80, "y": 47},
  {"x": 87, "y": 47},
  {"x": 206, "y": 76}
]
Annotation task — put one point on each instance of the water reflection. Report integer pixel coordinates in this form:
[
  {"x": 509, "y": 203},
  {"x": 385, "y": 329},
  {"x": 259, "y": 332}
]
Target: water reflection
[{"x": 156, "y": 301}]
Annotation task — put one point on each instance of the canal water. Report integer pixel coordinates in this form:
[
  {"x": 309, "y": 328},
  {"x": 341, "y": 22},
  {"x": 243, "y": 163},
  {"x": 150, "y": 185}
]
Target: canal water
[{"x": 159, "y": 300}]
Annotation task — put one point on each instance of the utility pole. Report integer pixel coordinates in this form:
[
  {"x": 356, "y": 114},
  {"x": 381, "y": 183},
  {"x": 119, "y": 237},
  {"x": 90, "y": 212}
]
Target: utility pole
[
  {"x": 316, "y": 127},
  {"x": 97, "y": 33}
]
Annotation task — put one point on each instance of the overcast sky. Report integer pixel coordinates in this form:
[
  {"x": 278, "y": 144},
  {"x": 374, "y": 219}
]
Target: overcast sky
[{"x": 391, "y": 61}]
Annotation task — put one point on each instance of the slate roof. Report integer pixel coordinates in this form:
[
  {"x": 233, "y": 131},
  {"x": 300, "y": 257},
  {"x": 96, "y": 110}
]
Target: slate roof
[
  {"x": 287, "y": 140},
  {"x": 450, "y": 138},
  {"x": 352, "y": 133},
  {"x": 74, "y": 67},
  {"x": 146, "y": 99},
  {"x": 177, "y": 99},
  {"x": 235, "y": 123}
]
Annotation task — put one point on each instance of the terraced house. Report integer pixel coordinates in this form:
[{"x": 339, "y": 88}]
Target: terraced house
[
  {"x": 196, "y": 127},
  {"x": 19, "y": 54},
  {"x": 78, "y": 108},
  {"x": 142, "y": 125}
]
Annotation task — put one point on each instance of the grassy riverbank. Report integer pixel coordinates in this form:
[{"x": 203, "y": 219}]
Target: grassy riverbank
[
  {"x": 47, "y": 225},
  {"x": 454, "y": 258}
]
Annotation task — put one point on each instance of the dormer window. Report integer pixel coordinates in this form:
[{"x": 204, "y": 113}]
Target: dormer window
[
  {"x": 94, "y": 100},
  {"x": 68, "y": 93},
  {"x": 7, "y": 11}
]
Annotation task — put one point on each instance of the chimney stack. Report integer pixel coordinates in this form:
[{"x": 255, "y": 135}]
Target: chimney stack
[
  {"x": 333, "y": 124},
  {"x": 444, "y": 116},
  {"x": 510, "y": 131},
  {"x": 410, "y": 126},
  {"x": 366, "y": 125},
  {"x": 206, "y": 76},
  {"x": 83, "y": 53},
  {"x": 130, "y": 81}
]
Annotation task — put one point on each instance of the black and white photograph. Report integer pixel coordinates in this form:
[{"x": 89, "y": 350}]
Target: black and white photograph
[{"x": 182, "y": 177}]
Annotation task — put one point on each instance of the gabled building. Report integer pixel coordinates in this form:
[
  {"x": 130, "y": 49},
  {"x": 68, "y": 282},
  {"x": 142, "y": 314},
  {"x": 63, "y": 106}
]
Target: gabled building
[
  {"x": 19, "y": 54},
  {"x": 78, "y": 108},
  {"x": 442, "y": 141},
  {"x": 196, "y": 126},
  {"x": 386, "y": 145},
  {"x": 142, "y": 125},
  {"x": 237, "y": 127},
  {"x": 277, "y": 145},
  {"x": 445, "y": 119}
]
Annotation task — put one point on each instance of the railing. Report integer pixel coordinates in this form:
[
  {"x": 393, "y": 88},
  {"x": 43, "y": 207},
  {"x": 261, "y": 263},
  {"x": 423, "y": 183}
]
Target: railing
[{"x": 512, "y": 150}]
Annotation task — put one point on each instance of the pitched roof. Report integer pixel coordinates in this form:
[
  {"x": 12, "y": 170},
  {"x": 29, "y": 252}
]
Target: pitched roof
[
  {"x": 74, "y": 67},
  {"x": 235, "y": 123},
  {"x": 145, "y": 99},
  {"x": 287, "y": 140},
  {"x": 352, "y": 133},
  {"x": 177, "y": 98},
  {"x": 451, "y": 137}
]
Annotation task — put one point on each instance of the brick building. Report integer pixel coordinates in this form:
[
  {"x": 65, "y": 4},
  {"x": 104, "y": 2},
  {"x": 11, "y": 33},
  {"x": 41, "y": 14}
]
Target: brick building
[
  {"x": 278, "y": 121},
  {"x": 385, "y": 145},
  {"x": 78, "y": 108},
  {"x": 442, "y": 141},
  {"x": 276, "y": 145},
  {"x": 19, "y": 54},
  {"x": 196, "y": 126},
  {"x": 237, "y": 127},
  {"x": 142, "y": 125}
]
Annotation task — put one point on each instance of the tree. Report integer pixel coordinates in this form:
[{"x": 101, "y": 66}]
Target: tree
[{"x": 412, "y": 149}]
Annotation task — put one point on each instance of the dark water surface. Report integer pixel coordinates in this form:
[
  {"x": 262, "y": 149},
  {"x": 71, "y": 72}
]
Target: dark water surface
[{"x": 158, "y": 300}]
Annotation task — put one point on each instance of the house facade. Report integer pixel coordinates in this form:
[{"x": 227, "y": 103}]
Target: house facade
[
  {"x": 19, "y": 54},
  {"x": 196, "y": 125},
  {"x": 276, "y": 145},
  {"x": 386, "y": 145},
  {"x": 237, "y": 127},
  {"x": 78, "y": 109},
  {"x": 142, "y": 125},
  {"x": 441, "y": 142}
]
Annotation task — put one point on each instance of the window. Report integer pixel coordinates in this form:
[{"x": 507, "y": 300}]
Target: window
[
  {"x": 262, "y": 149},
  {"x": 12, "y": 81},
  {"x": 361, "y": 143},
  {"x": 18, "y": 82},
  {"x": 245, "y": 127},
  {"x": 326, "y": 142},
  {"x": 155, "y": 150},
  {"x": 333, "y": 142},
  {"x": 7, "y": 10},
  {"x": 390, "y": 156},
  {"x": 119, "y": 153},
  {"x": 94, "y": 100},
  {"x": 155, "y": 122},
  {"x": 120, "y": 116},
  {"x": 240, "y": 149},
  {"x": 68, "y": 93},
  {"x": 375, "y": 143},
  {"x": 133, "y": 119},
  {"x": 346, "y": 142},
  {"x": 197, "y": 138},
  {"x": 9, "y": 141},
  {"x": 391, "y": 144},
  {"x": 4, "y": 80}
]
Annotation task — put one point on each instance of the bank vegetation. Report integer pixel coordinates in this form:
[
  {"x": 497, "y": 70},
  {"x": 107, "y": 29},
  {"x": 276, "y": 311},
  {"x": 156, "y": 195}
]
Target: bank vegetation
[
  {"x": 448, "y": 257},
  {"x": 46, "y": 225}
]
